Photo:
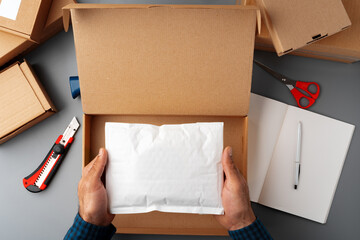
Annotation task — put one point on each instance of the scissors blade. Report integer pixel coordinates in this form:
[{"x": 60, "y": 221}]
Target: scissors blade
[{"x": 282, "y": 78}]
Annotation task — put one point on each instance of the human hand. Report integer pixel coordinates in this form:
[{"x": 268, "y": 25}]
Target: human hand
[
  {"x": 92, "y": 194},
  {"x": 235, "y": 196}
]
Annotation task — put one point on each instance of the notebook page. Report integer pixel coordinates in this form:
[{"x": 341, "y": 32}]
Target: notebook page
[
  {"x": 264, "y": 123},
  {"x": 325, "y": 143}
]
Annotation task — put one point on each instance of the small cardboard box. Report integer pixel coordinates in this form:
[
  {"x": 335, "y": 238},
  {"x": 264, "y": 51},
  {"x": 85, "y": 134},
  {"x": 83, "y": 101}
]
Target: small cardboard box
[
  {"x": 164, "y": 64},
  {"x": 12, "y": 45},
  {"x": 343, "y": 46},
  {"x": 23, "y": 101},
  {"x": 294, "y": 24},
  {"x": 24, "y": 18}
]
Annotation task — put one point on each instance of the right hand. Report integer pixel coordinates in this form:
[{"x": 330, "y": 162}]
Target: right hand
[{"x": 235, "y": 196}]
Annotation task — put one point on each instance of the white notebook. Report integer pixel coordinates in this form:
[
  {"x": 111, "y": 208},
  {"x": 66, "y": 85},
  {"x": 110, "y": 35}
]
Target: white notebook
[{"x": 271, "y": 162}]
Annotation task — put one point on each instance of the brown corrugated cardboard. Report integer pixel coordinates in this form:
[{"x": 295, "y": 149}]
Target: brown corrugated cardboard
[
  {"x": 165, "y": 64},
  {"x": 343, "y": 46},
  {"x": 294, "y": 24},
  {"x": 12, "y": 45},
  {"x": 184, "y": 63},
  {"x": 54, "y": 23},
  {"x": 30, "y": 20},
  {"x": 23, "y": 101}
]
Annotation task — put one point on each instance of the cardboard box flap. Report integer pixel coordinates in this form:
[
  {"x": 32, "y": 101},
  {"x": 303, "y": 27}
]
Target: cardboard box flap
[
  {"x": 37, "y": 87},
  {"x": 164, "y": 59},
  {"x": 293, "y": 24},
  {"x": 66, "y": 9},
  {"x": 56, "y": 12}
]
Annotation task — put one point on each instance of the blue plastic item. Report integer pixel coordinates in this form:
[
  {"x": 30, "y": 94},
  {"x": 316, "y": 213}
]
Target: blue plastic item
[{"x": 74, "y": 86}]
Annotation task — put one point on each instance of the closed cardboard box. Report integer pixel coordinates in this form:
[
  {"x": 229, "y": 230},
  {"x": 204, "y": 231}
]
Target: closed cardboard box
[
  {"x": 24, "y": 18},
  {"x": 164, "y": 64},
  {"x": 23, "y": 101},
  {"x": 12, "y": 45},
  {"x": 343, "y": 46},
  {"x": 294, "y": 24}
]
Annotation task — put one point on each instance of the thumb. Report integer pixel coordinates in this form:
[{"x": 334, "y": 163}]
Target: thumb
[
  {"x": 228, "y": 164},
  {"x": 99, "y": 165}
]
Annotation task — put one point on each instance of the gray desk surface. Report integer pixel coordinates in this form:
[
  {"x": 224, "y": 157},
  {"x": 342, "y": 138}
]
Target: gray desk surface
[{"x": 48, "y": 215}]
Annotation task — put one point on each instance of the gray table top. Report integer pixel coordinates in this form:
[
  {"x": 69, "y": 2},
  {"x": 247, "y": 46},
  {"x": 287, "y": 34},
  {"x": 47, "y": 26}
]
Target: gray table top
[{"x": 48, "y": 215}]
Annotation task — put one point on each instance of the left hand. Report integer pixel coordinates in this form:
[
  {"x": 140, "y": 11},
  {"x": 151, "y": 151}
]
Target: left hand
[{"x": 92, "y": 194}]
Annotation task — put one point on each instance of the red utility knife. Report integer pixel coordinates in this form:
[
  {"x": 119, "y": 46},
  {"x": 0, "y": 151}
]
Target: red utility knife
[{"x": 41, "y": 177}]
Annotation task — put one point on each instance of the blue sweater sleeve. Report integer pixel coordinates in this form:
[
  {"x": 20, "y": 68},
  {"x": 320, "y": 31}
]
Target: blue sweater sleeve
[
  {"x": 81, "y": 230},
  {"x": 255, "y": 231}
]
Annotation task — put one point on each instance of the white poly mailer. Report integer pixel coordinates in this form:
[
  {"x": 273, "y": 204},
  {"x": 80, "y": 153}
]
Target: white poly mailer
[{"x": 168, "y": 168}]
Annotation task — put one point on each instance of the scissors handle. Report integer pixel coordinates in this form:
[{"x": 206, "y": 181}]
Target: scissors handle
[
  {"x": 298, "y": 96},
  {"x": 305, "y": 87}
]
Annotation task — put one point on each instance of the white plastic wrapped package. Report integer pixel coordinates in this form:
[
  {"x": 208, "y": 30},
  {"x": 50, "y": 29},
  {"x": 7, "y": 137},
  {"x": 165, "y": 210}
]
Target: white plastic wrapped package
[{"x": 168, "y": 168}]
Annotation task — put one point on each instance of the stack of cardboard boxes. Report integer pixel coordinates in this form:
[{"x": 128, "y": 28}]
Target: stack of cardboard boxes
[{"x": 23, "y": 101}]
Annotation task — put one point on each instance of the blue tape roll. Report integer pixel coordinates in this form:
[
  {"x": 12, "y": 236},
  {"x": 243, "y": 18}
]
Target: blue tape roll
[{"x": 74, "y": 86}]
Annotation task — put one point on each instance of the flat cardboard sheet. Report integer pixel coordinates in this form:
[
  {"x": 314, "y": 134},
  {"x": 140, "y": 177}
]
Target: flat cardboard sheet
[
  {"x": 294, "y": 24},
  {"x": 22, "y": 99},
  {"x": 235, "y": 135}
]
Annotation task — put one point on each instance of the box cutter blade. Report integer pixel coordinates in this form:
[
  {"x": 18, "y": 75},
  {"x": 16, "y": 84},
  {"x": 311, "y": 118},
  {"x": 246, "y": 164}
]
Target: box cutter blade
[{"x": 41, "y": 177}]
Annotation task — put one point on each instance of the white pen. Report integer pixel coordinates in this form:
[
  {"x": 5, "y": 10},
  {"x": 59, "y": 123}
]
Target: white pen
[{"x": 297, "y": 161}]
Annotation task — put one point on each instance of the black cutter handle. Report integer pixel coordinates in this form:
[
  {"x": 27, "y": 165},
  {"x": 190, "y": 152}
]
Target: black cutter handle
[
  {"x": 29, "y": 181},
  {"x": 59, "y": 161},
  {"x": 56, "y": 149}
]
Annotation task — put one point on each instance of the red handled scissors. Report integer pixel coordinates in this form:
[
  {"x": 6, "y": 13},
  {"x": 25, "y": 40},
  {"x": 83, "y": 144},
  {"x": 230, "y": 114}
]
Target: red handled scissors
[{"x": 297, "y": 88}]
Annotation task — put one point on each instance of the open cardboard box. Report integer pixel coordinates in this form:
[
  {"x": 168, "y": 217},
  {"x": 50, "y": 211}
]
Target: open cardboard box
[
  {"x": 23, "y": 101},
  {"x": 28, "y": 18},
  {"x": 164, "y": 64},
  {"x": 12, "y": 45},
  {"x": 294, "y": 24},
  {"x": 343, "y": 46}
]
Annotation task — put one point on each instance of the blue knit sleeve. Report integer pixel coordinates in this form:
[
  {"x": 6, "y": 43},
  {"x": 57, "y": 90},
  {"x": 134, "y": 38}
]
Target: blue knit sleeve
[
  {"x": 81, "y": 230},
  {"x": 255, "y": 231}
]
